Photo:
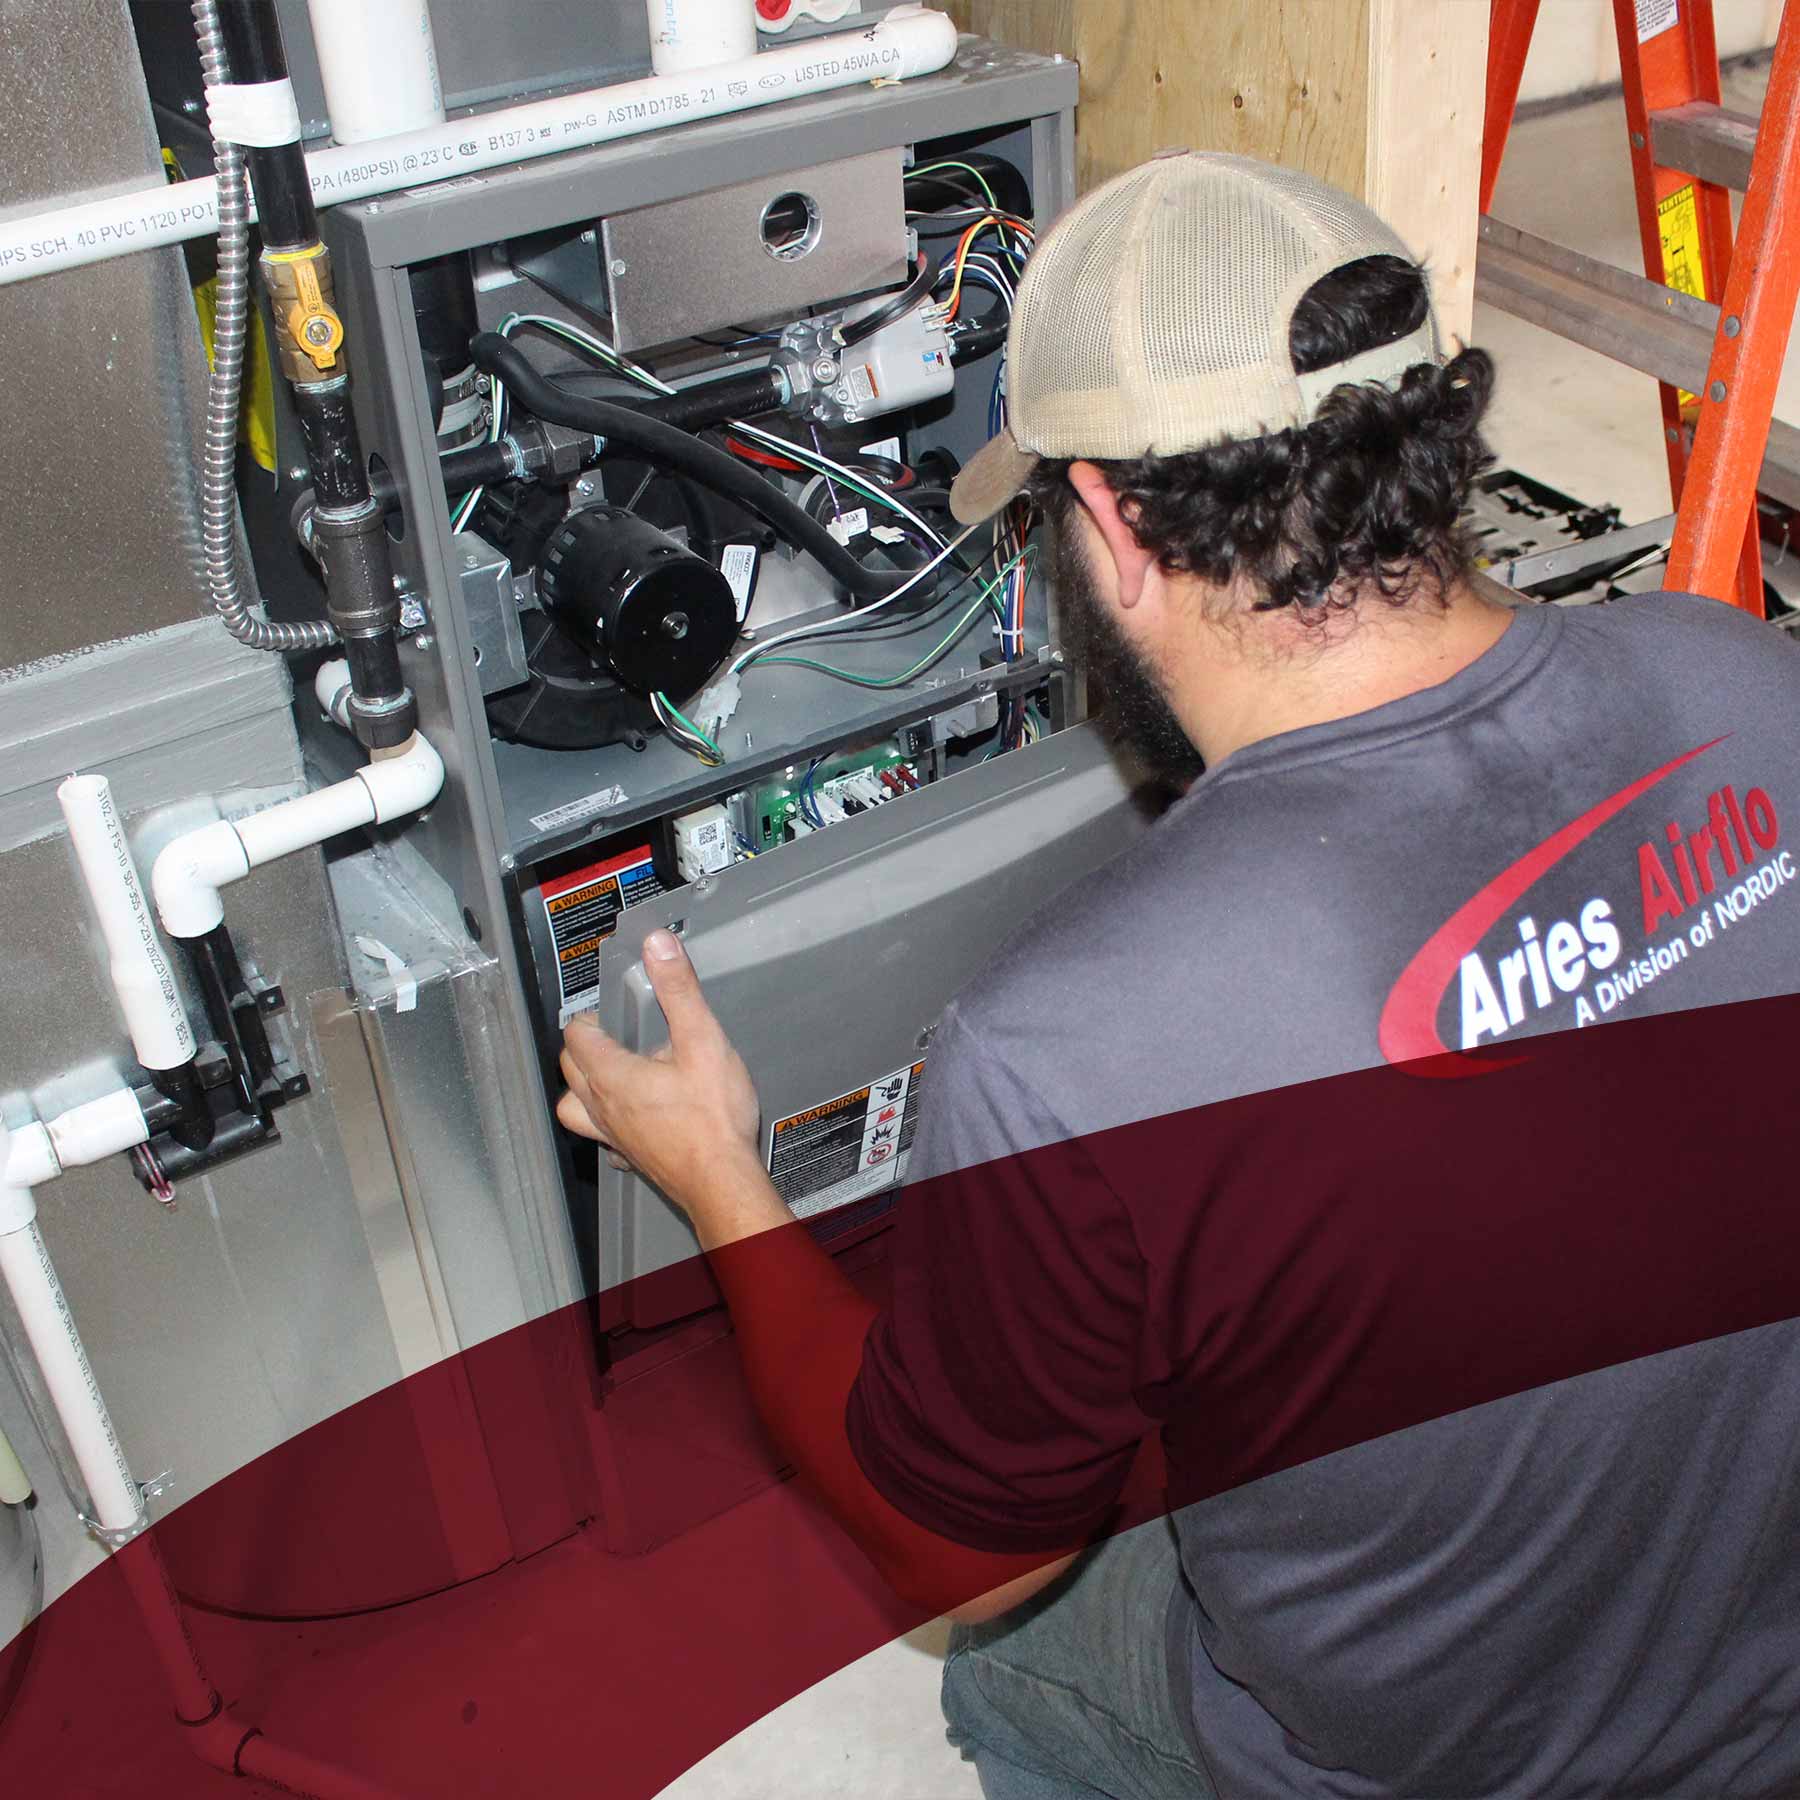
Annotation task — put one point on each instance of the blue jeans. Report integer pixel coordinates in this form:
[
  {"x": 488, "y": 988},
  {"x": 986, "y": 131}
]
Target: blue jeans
[{"x": 1082, "y": 1693}]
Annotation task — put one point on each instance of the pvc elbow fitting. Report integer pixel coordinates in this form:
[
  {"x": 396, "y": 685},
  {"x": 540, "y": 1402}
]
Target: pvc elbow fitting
[
  {"x": 188, "y": 874},
  {"x": 26, "y": 1161},
  {"x": 403, "y": 784},
  {"x": 331, "y": 688}
]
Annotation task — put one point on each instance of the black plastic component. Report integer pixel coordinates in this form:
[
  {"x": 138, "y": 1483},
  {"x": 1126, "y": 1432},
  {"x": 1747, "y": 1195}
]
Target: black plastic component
[
  {"x": 232, "y": 1013},
  {"x": 570, "y": 701},
  {"x": 660, "y": 617},
  {"x": 233, "y": 1134},
  {"x": 179, "y": 1106},
  {"x": 518, "y": 517},
  {"x": 443, "y": 297},
  {"x": 219, "y": 1105}
]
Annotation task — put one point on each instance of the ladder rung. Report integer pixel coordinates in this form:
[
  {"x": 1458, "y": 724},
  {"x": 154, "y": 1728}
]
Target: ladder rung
[
  {"x": 1639, "y": 323},
  {"x": 1705, "y": 140}
]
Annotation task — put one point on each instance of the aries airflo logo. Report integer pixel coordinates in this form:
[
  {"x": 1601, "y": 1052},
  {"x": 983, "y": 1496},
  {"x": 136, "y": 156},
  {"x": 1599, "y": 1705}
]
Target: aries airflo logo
[{"x": 1702, "y": 883}]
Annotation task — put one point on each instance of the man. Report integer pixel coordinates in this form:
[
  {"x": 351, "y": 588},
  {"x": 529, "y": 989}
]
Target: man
[{"x": 1468, "y": 1336}]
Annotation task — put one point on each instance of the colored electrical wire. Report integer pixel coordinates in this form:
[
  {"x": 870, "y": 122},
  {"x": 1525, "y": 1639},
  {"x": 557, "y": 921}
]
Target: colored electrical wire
[
  {"x": 757, "y": 651},
  {"x": 950, "y": 162},
  {"x": 685, "y": 731},
  {"x": 934, "y": 655}
]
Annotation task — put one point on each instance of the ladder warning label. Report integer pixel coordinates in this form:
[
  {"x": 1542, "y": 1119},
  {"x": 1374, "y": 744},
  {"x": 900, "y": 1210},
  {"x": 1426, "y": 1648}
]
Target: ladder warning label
[
  {"x": 583, "y": 909},
  {"x": 1678, "y": 225},
  {"x": 848, "y": 1148},
  {"x": 1654, "y": 17}
]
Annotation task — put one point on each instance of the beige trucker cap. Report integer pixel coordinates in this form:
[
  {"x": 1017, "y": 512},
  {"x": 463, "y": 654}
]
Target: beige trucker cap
[{"x": 1154, "y": 318}]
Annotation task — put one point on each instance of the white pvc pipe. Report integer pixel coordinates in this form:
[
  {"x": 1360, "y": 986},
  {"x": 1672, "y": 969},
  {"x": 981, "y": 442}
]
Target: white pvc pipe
[
  {"x": 154, "y": 1014},
  {"x": 379, "y": 66},
  {"x": 908, "y": 41},
  {"x": 15, "y": 1484},
  {"x": 193, "y": 868},
  {"x": 98, "y": 1129},
  {"x": 37, "y": 1297},
  {"x": 699, "y": 34}
]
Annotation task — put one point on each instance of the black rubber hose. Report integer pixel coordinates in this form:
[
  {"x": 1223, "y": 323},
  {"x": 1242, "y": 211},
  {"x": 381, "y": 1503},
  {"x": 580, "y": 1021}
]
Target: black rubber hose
[
  {"x": 675, "y": 449},
  {"x": 707, "y": 403},
  {"x": 971, "y": 346},
  {"x": 697, "y": 408}
]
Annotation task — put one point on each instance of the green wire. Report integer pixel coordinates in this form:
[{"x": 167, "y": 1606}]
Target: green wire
[
  {"x": 688, "y": 724},
  {"x": 932, "y": 169}
]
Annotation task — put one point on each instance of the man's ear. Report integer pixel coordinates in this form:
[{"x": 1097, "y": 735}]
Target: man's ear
[{"x": 1131, "y": 562}]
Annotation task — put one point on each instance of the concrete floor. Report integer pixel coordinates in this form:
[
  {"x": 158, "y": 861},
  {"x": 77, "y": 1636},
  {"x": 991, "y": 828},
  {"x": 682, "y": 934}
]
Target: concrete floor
[{"x": 1561, "y": 414}]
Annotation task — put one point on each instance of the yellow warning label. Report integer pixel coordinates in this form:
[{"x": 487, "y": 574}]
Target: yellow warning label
[{"x": 1678, "y": 225}]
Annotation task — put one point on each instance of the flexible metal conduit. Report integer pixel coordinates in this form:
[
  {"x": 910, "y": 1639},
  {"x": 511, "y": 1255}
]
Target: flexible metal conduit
[
  {"x": 908, "y": 41},
  {"x": 218, "y": 462}
]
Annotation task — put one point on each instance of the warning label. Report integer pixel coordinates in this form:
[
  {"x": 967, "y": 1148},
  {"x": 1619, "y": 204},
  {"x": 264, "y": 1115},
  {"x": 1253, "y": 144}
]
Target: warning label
[
  {"x": 847, "y": 1148},
  {"x": 583, "y": 910},
  {"x": 1678, "y": 225},
  {"x": 1654, "y": 17}
]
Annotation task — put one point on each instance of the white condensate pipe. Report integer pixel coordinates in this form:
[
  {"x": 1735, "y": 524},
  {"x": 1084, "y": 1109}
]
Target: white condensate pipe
[
  {"x": 908, "y": 41},
  {"x": 378, "y": 62},
  {"x": 26, "y": 1161},
  {"x": 154, "y": 1014},
  {"x": 190, "y": 871},
  {"x": 699, "y": 34},
  {"x": 120, "y": 1517},
  {"x": 15, "y": 1484}
]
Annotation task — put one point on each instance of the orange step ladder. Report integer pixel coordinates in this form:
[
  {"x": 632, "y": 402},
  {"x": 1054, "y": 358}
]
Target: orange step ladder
[{"x": 1710, "y": 322}]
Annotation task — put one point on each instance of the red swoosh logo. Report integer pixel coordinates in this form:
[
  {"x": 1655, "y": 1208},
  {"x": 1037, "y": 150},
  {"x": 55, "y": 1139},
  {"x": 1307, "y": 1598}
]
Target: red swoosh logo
[{"x": 1409, "y": 1019}]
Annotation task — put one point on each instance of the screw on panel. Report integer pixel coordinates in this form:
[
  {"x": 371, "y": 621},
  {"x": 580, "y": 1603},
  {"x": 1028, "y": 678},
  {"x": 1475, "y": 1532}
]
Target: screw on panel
[
  {"x": 1637, "y": 140},
  {"x": 470, "y": 559},
  {"x": 620, "y": 266},
  {"x": 507, "y": 861},
  {"x": 1716, "y": 391},
  {"x": 1733, "y": 325}
]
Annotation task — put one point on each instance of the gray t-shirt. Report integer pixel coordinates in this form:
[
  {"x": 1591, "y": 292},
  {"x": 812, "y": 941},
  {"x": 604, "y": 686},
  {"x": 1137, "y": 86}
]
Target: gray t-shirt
[{"x": 1467, "y": 1328}]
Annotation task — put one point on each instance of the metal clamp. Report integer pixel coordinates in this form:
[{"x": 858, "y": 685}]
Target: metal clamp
[{"x": 116, "y": 1537}]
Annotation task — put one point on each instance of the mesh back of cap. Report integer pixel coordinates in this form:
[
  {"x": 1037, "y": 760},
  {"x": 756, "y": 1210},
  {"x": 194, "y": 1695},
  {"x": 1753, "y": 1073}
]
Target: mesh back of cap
[{"x": 1154, "y": 317}]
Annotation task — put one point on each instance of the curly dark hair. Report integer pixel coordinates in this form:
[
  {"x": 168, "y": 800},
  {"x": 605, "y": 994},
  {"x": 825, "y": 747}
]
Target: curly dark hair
[{"x": 1365, "y": 496}]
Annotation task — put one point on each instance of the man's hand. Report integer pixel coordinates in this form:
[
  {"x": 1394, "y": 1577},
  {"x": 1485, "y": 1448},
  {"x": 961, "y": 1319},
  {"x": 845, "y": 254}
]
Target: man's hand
[{"x": 686, "y": 1117}]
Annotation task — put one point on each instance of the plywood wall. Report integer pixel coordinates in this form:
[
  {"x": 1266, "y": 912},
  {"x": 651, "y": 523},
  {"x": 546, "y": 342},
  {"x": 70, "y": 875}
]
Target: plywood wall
[{"x": 1380, "y": 97}]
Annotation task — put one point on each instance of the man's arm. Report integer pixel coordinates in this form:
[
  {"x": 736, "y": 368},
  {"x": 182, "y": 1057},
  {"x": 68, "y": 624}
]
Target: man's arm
[{"x": 686, "y": 1118}]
